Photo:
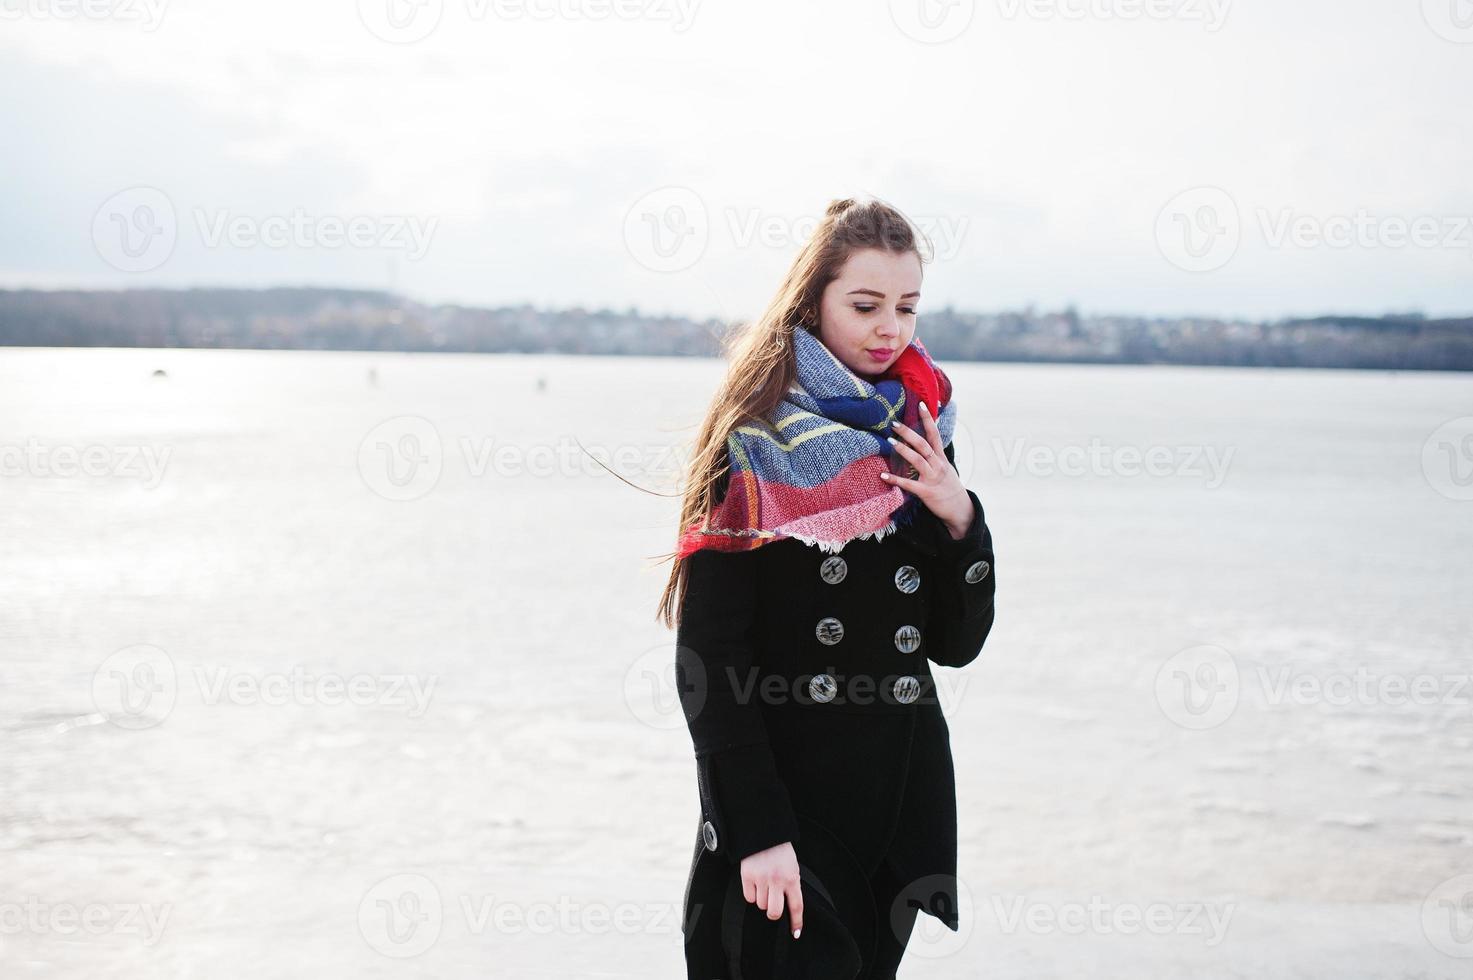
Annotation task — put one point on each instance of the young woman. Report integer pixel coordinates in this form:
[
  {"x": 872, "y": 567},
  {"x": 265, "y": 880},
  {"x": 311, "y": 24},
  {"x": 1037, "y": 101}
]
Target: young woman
[{"x": 829, "y": 555}]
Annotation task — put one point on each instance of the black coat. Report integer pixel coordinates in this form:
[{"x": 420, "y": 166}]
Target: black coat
[{"x": 806, "y": 690}]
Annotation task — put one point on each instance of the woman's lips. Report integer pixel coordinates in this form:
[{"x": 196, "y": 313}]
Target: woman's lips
[{"x": 879, "y": 355}]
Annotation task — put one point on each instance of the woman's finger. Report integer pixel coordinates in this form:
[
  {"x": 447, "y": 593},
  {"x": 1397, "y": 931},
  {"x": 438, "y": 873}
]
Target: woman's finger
[
  {"x": 775, "y": 904},
  {"x": 921, "y": 462},
  {"x": 933, "y": 433},
  {"x": 795, "y": 905},
  {"x": 914, "y": 438},
  {"x": 904, "y": 483}
]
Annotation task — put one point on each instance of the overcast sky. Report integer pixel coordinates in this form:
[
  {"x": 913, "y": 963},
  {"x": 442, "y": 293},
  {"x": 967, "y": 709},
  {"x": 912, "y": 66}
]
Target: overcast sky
[{"x": 1262, "y": 159}]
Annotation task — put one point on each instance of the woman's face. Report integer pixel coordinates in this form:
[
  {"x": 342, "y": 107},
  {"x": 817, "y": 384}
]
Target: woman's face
[{"x": 868, "y": 314}]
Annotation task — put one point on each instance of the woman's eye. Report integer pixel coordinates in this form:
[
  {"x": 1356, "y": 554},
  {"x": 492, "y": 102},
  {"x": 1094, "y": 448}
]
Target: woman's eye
[
  {"x": 865, "y": 309},
  {"x": 908, "y": 309}
]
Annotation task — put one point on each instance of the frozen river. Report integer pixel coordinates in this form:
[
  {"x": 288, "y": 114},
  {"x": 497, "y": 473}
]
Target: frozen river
[{"x": 345, "y": 665}]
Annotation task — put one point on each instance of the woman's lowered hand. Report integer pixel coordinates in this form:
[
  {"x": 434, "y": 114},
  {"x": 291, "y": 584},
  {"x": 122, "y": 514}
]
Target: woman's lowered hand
[{"x": 770, "y": 879}]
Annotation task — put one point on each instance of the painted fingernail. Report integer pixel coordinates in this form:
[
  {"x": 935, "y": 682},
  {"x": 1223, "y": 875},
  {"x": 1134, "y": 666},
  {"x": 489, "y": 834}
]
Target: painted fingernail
[
  {"x": 797, "y": 933},
  {"x": 925, "y": 409},
  {"x": 892, "y": 440}
]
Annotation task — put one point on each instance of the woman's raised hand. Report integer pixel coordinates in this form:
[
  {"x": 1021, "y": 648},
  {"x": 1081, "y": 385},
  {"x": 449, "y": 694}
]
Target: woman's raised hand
[
  {"x": 936, "y": 482},
  {"x": 770, "y": 879}
]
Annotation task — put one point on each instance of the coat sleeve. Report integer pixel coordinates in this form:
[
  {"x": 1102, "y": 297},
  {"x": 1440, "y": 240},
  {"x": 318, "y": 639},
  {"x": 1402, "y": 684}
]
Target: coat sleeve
[
  {"x": 964, "y": 595},
  {"x": 742, "y": 796}
]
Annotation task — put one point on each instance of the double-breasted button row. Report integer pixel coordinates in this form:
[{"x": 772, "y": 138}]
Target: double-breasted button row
[
  {"x": 823, "y": 688},
  {"x": 834, "y": 568},
  {"x": 830, "y": 631}
]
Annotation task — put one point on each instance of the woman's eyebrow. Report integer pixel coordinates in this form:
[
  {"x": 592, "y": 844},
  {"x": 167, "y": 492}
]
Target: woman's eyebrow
[{"x": 876, "y": 292}]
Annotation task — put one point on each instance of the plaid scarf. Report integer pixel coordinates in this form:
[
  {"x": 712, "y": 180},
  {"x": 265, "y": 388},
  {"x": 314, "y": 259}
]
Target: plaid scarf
[{"x": 810, "y": 470}]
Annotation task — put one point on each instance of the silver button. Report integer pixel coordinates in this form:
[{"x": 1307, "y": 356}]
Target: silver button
[
  {"x": 829, "y": 630},
  {"x": 833, "y": 569},
  {"x": 823, "y": 687},
  {"x": 907, "y": 689},
  {"x": 907, "y": 639},
  {"x": 708, "y": 834},
  {"x": 977, "y": 572},
  {"x": 907, "y": 579}
]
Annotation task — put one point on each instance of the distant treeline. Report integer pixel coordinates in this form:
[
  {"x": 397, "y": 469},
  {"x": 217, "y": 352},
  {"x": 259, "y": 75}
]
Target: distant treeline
[{"x": 340, "y": 319}]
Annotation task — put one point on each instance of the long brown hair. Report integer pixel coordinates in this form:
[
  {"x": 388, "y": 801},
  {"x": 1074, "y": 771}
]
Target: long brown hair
[{"x": 762, "y": 365}]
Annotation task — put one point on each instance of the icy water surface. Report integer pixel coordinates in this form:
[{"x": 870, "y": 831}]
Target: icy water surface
[{"x": 344, "y": 665}]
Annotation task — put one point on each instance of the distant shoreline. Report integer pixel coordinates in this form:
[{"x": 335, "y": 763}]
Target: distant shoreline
[{"x": 372, "y": 321}]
